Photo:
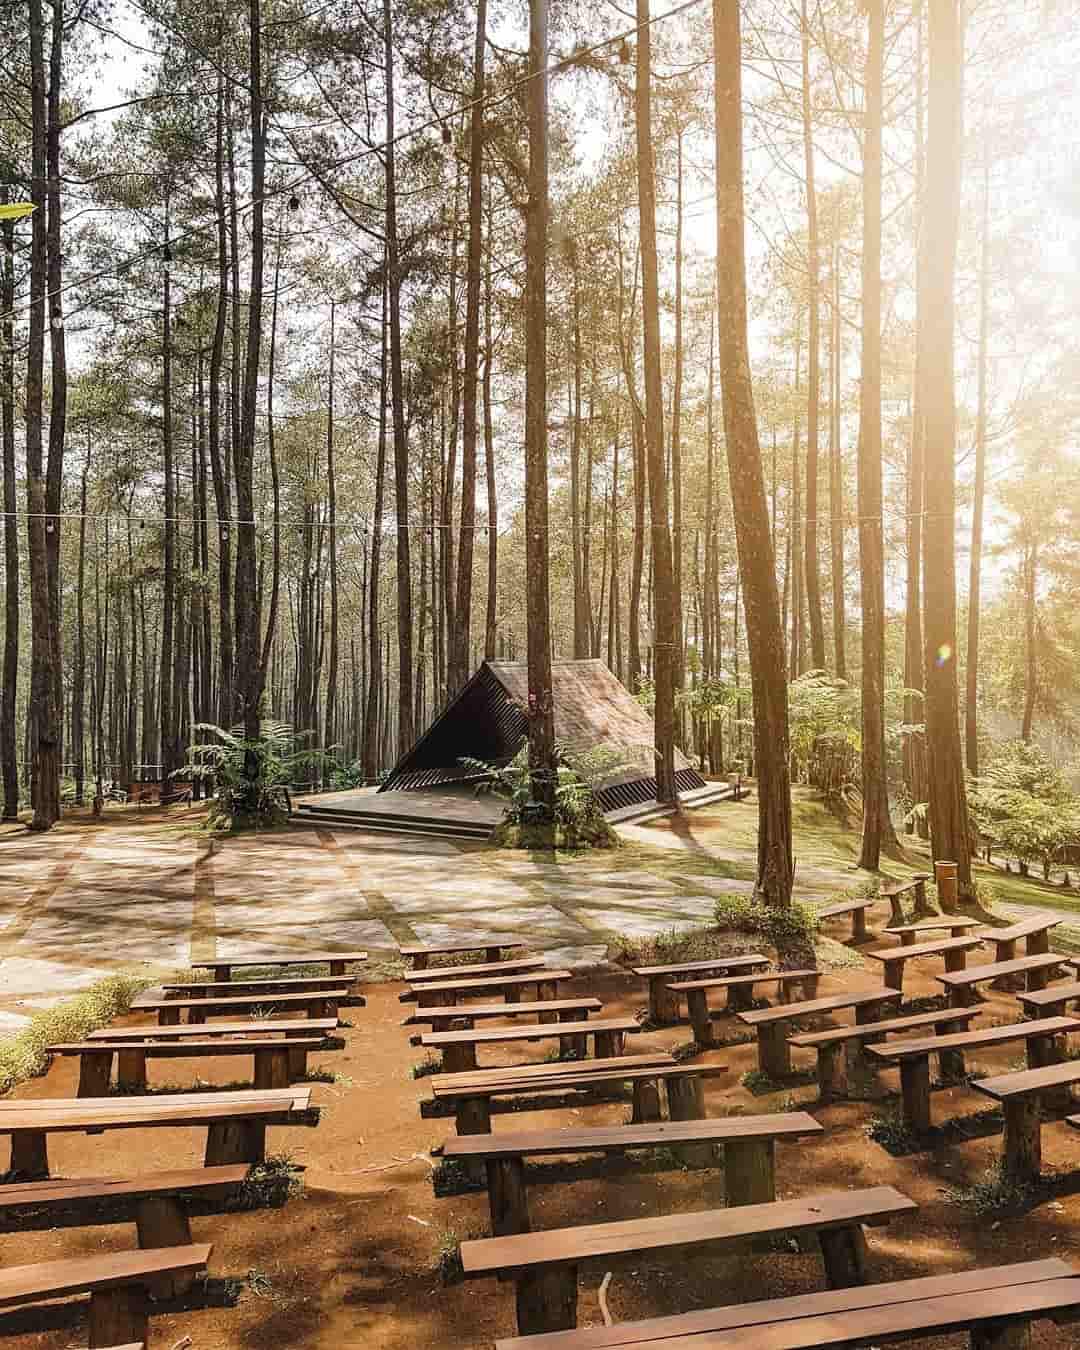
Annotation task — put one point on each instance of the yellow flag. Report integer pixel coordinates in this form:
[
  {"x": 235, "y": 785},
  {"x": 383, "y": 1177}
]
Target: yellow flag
[{"x": 13, "y": 210}]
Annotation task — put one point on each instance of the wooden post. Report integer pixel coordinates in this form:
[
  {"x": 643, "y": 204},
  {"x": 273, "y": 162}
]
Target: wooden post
[
  {"x": 492, "y": 954},
  {"x": 29, "y": 1155},
  {"x": 420, "y": 961},
  {"x": 512, "y": 994},
  {"x": 1023, "y": 1139},
  {"x": 749, "y": 1171},
  {"x": 663, "y": 1004},
  {"x": 1002, "y": 1336},
  {"x": 951, "y": 1063},
  {"x": 547, "y": 1300},
  {"x": 574, "y": 1047},
  {"x": 223, "y": 974},
  {"x": 322, "y": 1007},
  {"x": 945, "y": 873},
  {"x": 431, "y": 998},
  {"x": 609, "y": 1044},
  {"x": 831, "y": 1071},
  {"x": 474, "y": 1117},
  {"x": 686, "y": 1101},
  {"x": 1037, "y": 944},
  {"x": 915, "y": 1085},
  {"x": 162, "y": 1221},
  {"x": 297, "y": 1064},
  {"x": 896, "y": 907},
  {"x": 235, "y": 1141},
  {"x": 908, "y": 939},
  {"x": 548, "y": 989},
  {"x": 508, "y": 1196},
  {"x": 95, "y": 1070},
  {"x": 844, "y": 1253},
  {"x": 894, "y": 973},
  {"x": 459, "y": 1058},
  {"x": 195, "y": 1015},
  {"x": 697, "y": 1004},
  {"x": 739, "y": 997},
  {"x": 774, "y": 1053},
  {"x": 337, "y": 967},
  {"x": 131, "y": 1069},
  {"x": 1036, "y": 979},
  {"x": 1004, "y": 951},
  {"x": 646, "y": 1101},
  {"x": 859, "y": 932},
  {"x": 272, "y": 1067},
  {"x": 118, "y": 1316},
  {"x": 168, "y": 1017},
  {"x": 956, "y": 959}
]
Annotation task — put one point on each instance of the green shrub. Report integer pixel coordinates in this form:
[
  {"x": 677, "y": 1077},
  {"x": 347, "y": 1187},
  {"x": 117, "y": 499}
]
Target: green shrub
[
  {"x": 790, "y": 929},
  {"x": 23, "y": 1055},
  {"x": 995, "y": 1191}
]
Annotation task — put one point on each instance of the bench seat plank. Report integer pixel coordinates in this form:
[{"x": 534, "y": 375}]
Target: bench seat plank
[
  {"x": 75, "y": 1275},
  {"x": 734, "y": 1316},
  {"x": 1022, "y": 965},
  {"x": 973, "y": 1040},
  {"x": 293, "y": 959},
  {"x": 632, "y": 1237},
  {"x": 449, "y": 990},
  {"x": 727, "y": 981},
  {"x": 717, "y": 963},
  {"x": 453, "y": 948},
  {"x": 1024, "y": 1082},
  {"x": 936, "y": 948},
  {"x": 187, "y": 1048},
  {"x": 303, "y": 1027},
  {"x": 486, "y": 1010},
  {"x": 287, "y": 984},
  {"x": 82, "y": 1113},
  {"x": 1057, "y": 994},
  {"x": 848, "y": 907},
  {"x": 616, "y": 1138},
  {"x": 956, "y": 924},
  {"x": 516, "y": 965},
  {"x": 63, "y": 1191},
  {"x": 204, "y": 1006},
  {"x": 1023, "y": 928},
  {"x": 529, "y": 1032},
  {"x": 558, "y": 1081},
  {"x": 861, "y": 1030},
  {"x": 833, "y": 1003},
  {"x": 523, "y": 1073}
]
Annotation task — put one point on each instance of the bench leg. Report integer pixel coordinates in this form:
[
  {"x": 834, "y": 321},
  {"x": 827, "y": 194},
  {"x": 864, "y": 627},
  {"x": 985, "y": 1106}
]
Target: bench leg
[
  {"x": 297, "y": 1065},
  {"x": 609, "y": 1044},
  {"x": 420, "y": 961},
  {"x": 686, "y": 1101},
  {"x": 915, "y": 1085},
  {"x": 118, "y": 1316},
  {"x": 195, "y": 1016},
  {"x": 322, "y": 1007},
  {"x": 739, "y": 997},
  {"x": 749, "y": 1171},
  {"x": 1023, "y": 1139},
  {"x": 1007, "y": 1336},
  {"x": 168, "y": 1017},
  {"x": 922, "y": 904},
  {"x": 697, "y": 1005},
  {"x": 547, "y": 1300},
  {"x": 844, "y": 1253},
  {"x": 474, "y": 1117},
  {"x": 235, "y": 1141},
  {"x": 810, "y": 985},
  {"x": 952, "y": 1066},
  {"x": 1004, "y": 951},
  {"x": 896, "y": 908},
  {"x": 131, "y": 1069},
  {"x": 512, "y": 995},
  {"x": 858, "y": 925},
  {"x": 831, "y": 1072},
  {"x": 162, "y": 1221},
  {"x": 1042, "y": 1051},
  {"x": 272, "y": 1068},
  {"x": 492, "y": 954},
  {"x": 29, "y": 1155},
  {"x": 549, "y": 989},
  {"x": 508, "y": 1196},
  {"x": 1036, "y": 980},
  {"x": 222, "y": 974},
  {"x": 429, "y": 998},
  {"x": 1037, "y": 944},
  {"x": 663, "y": 1004},
  {"x": 337, "y": 967},
  {"x": 774, "y": 1053},
  {"x": 574, "y": 1047},
  {"x": 894, "y": 974},
  {"x": 907, "y": 939},
  {"x": 646, "y": 1101},
  {"x": 459, "y": 1058},
  {"x": 95, "y": 1070},
  {"x": 956, "y": 959}
]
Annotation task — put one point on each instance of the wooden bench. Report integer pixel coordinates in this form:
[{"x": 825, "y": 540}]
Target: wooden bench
[
  {"x": 318, "y": 1003},
  {"x": 160, "y": 1212},
  {"x": 491, "y": 947},
  {"x": 459, "y": 1047},
  {"x": 223, "y": 966},
  {"x": 857, "y": 909},
  {"x": 996, "y": 1304},
  {"x": 894, "y": 892},
  {"x": 1019, "y": 1095},
  {"x": 545, "y": 1010},
  {"x": 832, "y": 1064},
  {"x": 516, "y": 965},
  {"x": 510, "y": 986},
  {"x": 1052, "y": 1002},
  {"x": 287, "y": 984},
  {"x": 235, "y": 1122},
  {"x": 471, "y": 1094},
  {"x": 740, "y": 993},
  {"x": 663, "y": 1005},
  {"x": 277, "y": 1062},
  {"x": 117, "y": 1285},
  {"x": 913, "y": 1058},
  {"x": 960, "y": 985},
  {"x": 544, "y": 1266},
  {"x": 953, "y": 924},
  {"x": 894, "y": 959},
  {"x": 748, "y": 1144},
  {"x": 773, "y": 1024},
  {"x": 1035, "y": 933}
]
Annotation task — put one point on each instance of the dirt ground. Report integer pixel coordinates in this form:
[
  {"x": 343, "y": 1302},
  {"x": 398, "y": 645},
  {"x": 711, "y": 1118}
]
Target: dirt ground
[{"x": 353, "y": 1259}]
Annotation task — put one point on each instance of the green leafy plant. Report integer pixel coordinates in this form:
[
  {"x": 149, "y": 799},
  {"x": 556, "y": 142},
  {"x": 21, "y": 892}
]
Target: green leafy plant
[
  {"x": 993, "y": 1192},
  {"x": 790, "y": 929},
  {"x": 251, "y": 777}
]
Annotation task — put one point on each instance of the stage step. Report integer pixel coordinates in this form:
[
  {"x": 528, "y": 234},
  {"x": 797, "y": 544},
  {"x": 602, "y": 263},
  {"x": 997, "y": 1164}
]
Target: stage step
[{"x": 307, "y": 814}]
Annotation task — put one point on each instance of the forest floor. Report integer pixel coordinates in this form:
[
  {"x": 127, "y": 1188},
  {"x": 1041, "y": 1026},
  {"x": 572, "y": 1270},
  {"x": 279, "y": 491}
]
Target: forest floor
[{"x": 357, "y": 1257}]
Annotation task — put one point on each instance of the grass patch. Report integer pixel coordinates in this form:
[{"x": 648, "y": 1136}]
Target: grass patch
[
  {"x": 24, "y": 1055},
  {"x": 426, "y": 1067},
  {"x": 452, "y": 1178},
  {"x": 760, "y": 1084},
  {"x": 270, "y": 1182},
  {"x": 890, "y": 1131},
  {"x": 993, "y": 1193},
  {"x": 676, "y": 945},
  {"x": 446, "y": 1262}
]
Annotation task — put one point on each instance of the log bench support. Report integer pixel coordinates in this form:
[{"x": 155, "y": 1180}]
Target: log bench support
[
  {"x": 118, "y": 1316},
  {"x": 508, "y": 1198},
  {"x": 95, "y": 1071},
  {"x": 1007, "y": 1336},
  {"x": 29, "y": 1155},
  {"x": 272, "y": 1068},
  {"x": 686, "y": 1101},
  {"x": 573, "y": 1047},
  {"x": 843, "y": 1251},
  {"x": 749, "y": 1171},
  {"x": 774, "y": 1053},
  {"x": 915, "y": 1085},
  {"x": 663, "y": 1004},
  {"x": 474, "y": 1117},
  {"x": 832, "y": 1071},
  {"x": 162, "y": 1221},
  {"x": 609, "y": 1044},
  {"x": 1023, "y": 1138},
  {"x": 646, "y": 1108},
  {"x": 131, "y": 1069},
  {"x": 697, "y": 1005},
  {"x": 547, "y": 1299},
  {"x": 235, "y": 1141}
]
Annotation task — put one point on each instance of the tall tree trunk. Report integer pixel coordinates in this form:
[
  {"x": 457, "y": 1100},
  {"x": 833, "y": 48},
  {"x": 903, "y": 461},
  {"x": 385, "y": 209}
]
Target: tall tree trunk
[
  {"x": 330, "y": 737},
  {"x": 581, "y": 609},
  {"x": 948, "y": 794},
  {"x": 491, "y": 617},
  {"x": 1031, "y": 653},
  {"x": 813, "y": 369},
  {"x": 679, "y": 652},
  {"x": 275, "y": 479},
  {"x": 541, "y": 713},
  {"x": 397, "y": 399},
  {"x": 757, "y": 566},
  {"x": 9, "y": 699},
  {"x": 370, "y": 749},
  {"x": 168, "y": 600},
  {"x": 877, "y": 830},
  {"x": 78, "y": 674},
  {"x": 836, "y": 489},
  {"x": 218, "y": 452},
  {"x": 797, "y": 650},
  {"x": 978, "y": 493},
  {"x": 458, "y": 669},
  {"x": 662, "y": 568}
]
